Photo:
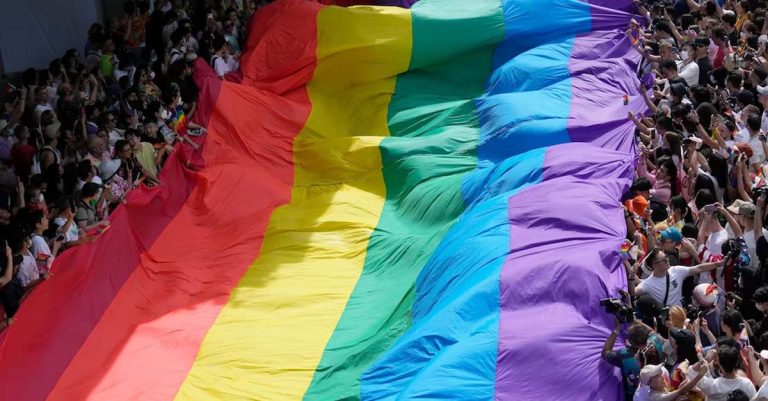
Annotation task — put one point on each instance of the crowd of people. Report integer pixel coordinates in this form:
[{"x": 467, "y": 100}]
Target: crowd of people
[
  {"x": 100, "y": 121},
  {"x": 696, "y": 253}
]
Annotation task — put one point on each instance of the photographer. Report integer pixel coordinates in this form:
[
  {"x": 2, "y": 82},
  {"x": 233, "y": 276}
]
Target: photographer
[{"x": 625, "y": 358}]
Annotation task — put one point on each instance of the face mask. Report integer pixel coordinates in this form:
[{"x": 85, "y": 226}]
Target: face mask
[
  {"x": 165, "y": 114},
  {"x": 684, "y": 55},
  {"x": 151, "y": 75},
  {"x": 760, "y": 307}
]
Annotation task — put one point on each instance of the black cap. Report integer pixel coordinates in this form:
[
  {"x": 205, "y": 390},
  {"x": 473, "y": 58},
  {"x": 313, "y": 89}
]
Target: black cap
[
  {"x": 648, "y": 307},
  {"x": 679, "y": 89}
]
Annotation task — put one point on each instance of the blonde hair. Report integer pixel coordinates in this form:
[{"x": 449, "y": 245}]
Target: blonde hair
[{"x": 677, "y": 316}]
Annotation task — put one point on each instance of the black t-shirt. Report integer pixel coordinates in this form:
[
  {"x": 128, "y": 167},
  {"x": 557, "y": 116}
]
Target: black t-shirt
[
  {"x": 704, "y": 68},
  {"x": 734, "y": 37}
]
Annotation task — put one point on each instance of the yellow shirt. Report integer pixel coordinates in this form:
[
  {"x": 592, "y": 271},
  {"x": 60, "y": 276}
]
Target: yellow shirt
[{"x": 740, "y": 21}]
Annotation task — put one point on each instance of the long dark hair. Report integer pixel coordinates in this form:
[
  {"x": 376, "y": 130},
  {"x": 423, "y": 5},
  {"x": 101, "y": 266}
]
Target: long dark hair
[
  {"x": 678, "y": 202},
  {"x": 675, "y": 143},
  {"x": 733, "y": 320},
  {"x": 686, "y": 351},
  {"x": 718, "y": 168},
  {"x": 671, "y": 168}
]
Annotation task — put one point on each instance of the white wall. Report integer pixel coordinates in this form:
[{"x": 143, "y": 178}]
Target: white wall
[{"x": 34, "y": 32}]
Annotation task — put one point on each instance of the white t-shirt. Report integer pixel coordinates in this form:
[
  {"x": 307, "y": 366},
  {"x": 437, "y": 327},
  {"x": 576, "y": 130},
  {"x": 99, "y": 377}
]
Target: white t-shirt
[
  {"x": 40, "y": 250},
  {"x": 27, "y": 270},
  {"x": 764, "y": 121},
  {"x": 742, "y": 136},
  {"x": 758, "y": 155},
  {"x": 689, "y": 72},
  {"x": 223, "y": 65},
  {"x": 715, "y": 242},
  {"x": 763, "y": 391},
  {"x": 656, "y": 286},
  {"x": 718, "y": 389},
  {"x": 72, "y": 234},
  {"x": 714, "y": 247}
]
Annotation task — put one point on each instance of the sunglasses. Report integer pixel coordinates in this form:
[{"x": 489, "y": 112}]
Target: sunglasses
[{"x": 661, "y": 260}]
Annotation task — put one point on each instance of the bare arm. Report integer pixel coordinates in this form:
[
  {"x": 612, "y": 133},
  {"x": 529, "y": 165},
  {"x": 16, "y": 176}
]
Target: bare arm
[
  {"x": 640, "y": 126},
  {"x": 648, "y": 102},
  {"x": 679, "y": 38},
  {"x": 8, "y": 275},
  {"x": 701, "y": 132},
  {"x": 729, "y": 218},
  {"x": 758, "y": 221},
  {"x": 701, "y": 370},
  {"x": 611, "y": 340},
  {"x": 743, "y": 195},
  {"x": 705, "y": 267}
]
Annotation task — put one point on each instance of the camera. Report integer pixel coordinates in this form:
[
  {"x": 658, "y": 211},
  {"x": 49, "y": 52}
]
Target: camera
[
  {"x": 692, "y": 312},
  {"x": 618, "y": 308},
  {"x": 735, "y": 251},
  {"x": 760, "y": 191}
]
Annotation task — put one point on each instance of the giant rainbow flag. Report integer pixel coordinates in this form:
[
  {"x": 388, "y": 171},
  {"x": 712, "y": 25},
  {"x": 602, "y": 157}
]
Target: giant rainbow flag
[{"x": 392, "y": 204}]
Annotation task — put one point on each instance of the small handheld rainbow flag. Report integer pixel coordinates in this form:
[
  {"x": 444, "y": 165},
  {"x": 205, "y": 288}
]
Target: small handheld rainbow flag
[
  {"x": 625, "y": 248},
  {"x": 179, "y": 121}
]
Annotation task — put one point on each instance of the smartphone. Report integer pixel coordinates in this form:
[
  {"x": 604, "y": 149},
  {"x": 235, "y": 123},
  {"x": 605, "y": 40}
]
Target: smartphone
[
  {"x": 709, "y": 209},
  {"x": 665, "y": 314}
]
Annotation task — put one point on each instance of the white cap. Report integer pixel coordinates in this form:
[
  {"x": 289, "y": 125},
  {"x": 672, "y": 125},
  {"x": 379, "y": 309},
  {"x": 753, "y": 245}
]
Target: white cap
[
  {"x": 649, "y": 372},
  {"x": 108, "y": 168}
]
